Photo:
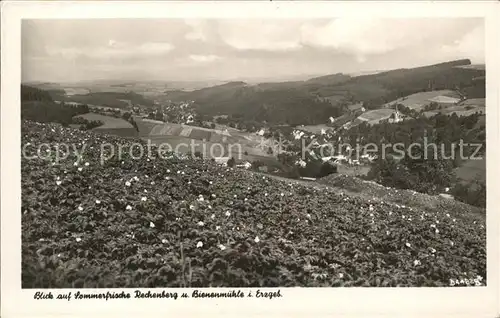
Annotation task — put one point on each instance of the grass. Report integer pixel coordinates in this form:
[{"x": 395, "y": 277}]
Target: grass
[
  {"x": 472, "y": 170},
  {"x": 377, "y": 114},
  {"x": 419, "y": 100},
  {"x": 109, "y": 122}
]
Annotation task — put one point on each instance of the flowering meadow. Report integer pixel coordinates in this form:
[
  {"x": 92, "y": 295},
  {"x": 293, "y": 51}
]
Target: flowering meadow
[{"x": 185, "y": 222}]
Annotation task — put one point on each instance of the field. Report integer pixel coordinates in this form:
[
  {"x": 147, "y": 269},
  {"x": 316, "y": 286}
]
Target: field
[
  {"x": 175, "y": 134},
  {"x": 479, "y": 102},
  {"x": 472, "y": 170},
  {"x": 420, "y": 100},
  {"x": 109, "y": 122},
  {"x": 460, "y": 110},
  {"x": 315, "y": 129},
  {"x": 374, "y": 116},
  {"x": 181, "y": 222}
]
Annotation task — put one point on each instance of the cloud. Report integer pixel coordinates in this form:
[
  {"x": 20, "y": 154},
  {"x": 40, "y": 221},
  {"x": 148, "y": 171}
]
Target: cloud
[
  {"x": 200, "y": 30},
  {"x": 114, "y": 49},
  {"x": 204, "y": 58},
  {"x": 375, "y": 36},
  {"x": 269, "y": 35}
]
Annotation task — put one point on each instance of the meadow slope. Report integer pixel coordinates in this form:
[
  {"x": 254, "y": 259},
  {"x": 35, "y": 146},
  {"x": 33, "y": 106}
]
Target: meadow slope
[{"x": 178, "y": 221}]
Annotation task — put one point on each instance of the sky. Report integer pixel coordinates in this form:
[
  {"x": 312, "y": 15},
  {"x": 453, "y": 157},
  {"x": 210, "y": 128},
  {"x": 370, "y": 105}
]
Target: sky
[{"x": 224, "y": 49}]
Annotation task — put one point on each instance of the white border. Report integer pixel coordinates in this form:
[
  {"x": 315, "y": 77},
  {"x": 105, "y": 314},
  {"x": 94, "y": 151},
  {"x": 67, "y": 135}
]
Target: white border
[{"x": 310, "y": 302}]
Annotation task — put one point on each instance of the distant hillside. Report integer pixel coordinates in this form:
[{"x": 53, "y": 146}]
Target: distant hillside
[
  {"x": 109, "y": 99},
  {"x": 314, "y": 100}
]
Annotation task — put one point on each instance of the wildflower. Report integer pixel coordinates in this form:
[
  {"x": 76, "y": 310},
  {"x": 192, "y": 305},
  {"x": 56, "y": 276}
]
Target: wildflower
[
  {"x": 222, "y": 247},
  {"x": 97, "y": 201},
  {"x": 408, "y": 244},
  {"x": 127, "y": 184},
  {"x": 256, "y": 239},
  {"x": 145, "y": 191},
  {"x": 78, "y": 239},
  {"x": 80, "y": 169},
  {"x": 371, "y": 214},
  {"x": 210, "y": 182},
  {"x": 191, "y": 207},
  {"x": 416, "y": 262},
  {"x": 447, "y": 214},
  {"x": 235, "y": 196},
  {"x": 437, "y": 222},
  {"x": 58, "y": 182},
  {"x": 80, "y": 208},
  {"x": 390, "y": 212},
  {"x": 182, "y": 173},
  {"x": 467, "y": 282},
  {"x": 282, "y": 194},
  {"x": 265, "y": 194},
  {"x": 151, "y": 225},
  {"x": 454, "y": 220},
  {"x": 433, "y": 250},
  {"x": 308, "y": 215},
  {"x": 152, "y": 182},
  {"x": 201, "y": 223},
  {"x": 75, "y": 164},
  {"x": 370, "y": 208},
  {"x": 433, "y": 225},
  {"x": 403, "y": 216},
  {"x": 212, "y": 216},
  {"x": 200, "y": 198},
  {"x": 164, "y": 241},
  {"x": 217, "y": 228},
  {"x": 128, "y": 207},
  {"x": 341, "y": 275},
  {"x": 210, "y": 207},
  {"x": 451, "y": 243},
  {"x": 452, "y": 282},
  {"x": 228, "y": 214},
  {"x": 87, "y": 164},
  {"x": 246, "y": 199},
  {"x": 144, "y": 199},
  {"x": 199, "y": 244},
  {"x": 189, "y": 182},
  {"x": 136, "y": 178}
]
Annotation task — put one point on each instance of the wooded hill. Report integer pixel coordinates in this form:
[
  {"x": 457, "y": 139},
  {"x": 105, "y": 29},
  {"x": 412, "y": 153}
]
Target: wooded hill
[{"x": 314, "y": 100}]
